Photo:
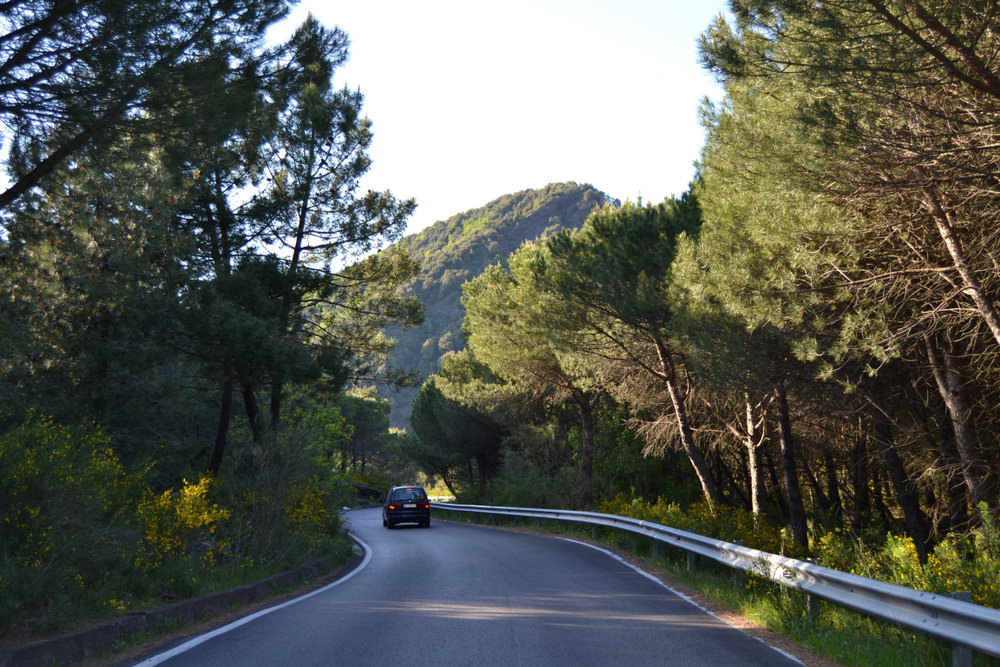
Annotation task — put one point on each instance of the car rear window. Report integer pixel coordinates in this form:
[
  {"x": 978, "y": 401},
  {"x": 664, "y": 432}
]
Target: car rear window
[{"x": 409, "y": 494}]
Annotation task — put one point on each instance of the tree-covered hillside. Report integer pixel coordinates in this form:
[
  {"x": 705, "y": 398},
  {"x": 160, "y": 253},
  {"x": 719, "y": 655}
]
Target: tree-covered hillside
[{"x": 453, "y": 251}]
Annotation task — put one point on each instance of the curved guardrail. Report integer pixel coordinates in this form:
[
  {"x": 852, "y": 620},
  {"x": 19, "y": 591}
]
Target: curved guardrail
[{"x": 961, "y": 623}]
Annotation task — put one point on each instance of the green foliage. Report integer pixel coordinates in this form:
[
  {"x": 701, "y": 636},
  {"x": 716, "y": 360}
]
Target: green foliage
[
  {"x": 326, "y": 431},
  {"x": 82, "y": 538},
  {"x": 78, "y": 76},
  {"x": 457, "y": 439},
  {"x": 175, "y": 523},
  {"x": 309, "y": 514},
  {"x": 621, "y": 467},
  {"x": 67, "y": 541},
  {"x": 183, "y": 237},
  {"x": 526, "y": 482},
  {"x": 723, "y": 523},
  {"x": 619, "y": 261},
  {"x": 960, "y": 562},
  {"x": 453, "y": 251}
]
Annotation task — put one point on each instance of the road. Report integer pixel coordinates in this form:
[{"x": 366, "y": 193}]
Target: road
[{"x": 458, "y": 594}]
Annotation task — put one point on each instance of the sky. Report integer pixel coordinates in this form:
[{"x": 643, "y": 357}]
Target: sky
[{"x": 474, "y": 100}]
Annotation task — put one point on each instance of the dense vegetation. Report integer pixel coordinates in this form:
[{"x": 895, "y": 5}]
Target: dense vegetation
[
  {"x": 808, "y": 335},
  {"x": 191, "y": 287},
  {"x": 453, "y": 251},
  {"x": 196, "y": 303}
]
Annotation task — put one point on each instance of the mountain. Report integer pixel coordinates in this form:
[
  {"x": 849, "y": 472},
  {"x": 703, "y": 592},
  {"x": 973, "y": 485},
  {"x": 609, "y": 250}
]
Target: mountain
[{"x": 456, "y": 250}]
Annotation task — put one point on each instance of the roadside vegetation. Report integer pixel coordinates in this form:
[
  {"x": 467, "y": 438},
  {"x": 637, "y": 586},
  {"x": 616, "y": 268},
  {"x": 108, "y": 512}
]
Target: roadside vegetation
[
  {"x": 193, "y": 291},
  {"x": 806, "y": 339},
  {"x": 86, "y": 540},
  {"x": 799, "y": 352}
]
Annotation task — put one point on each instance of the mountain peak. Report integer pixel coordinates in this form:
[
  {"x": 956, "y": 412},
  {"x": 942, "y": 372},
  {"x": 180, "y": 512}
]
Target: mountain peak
[{"x": 456, "y": 250}]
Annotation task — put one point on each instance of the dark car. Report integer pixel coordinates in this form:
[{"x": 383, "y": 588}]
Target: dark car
[{"x": 406, "y": 504}]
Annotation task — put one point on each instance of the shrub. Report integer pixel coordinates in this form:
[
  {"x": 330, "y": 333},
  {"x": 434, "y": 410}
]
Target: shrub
[
  {"x": 960, "y": 562},
  {"x": 81, "y": 539},
  {"x": 65, "y": 536},
  {"x": 722, "y": 522},
  {"x": 311, "y": 515},
  {"x": 180, "y": 523}
]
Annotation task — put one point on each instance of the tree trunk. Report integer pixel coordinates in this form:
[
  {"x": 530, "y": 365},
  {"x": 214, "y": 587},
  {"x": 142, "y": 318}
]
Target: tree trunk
[
  {"x": 222, "y": 430},
  {"x": 820, "y": 499},
  {"x": 752, "y": 442},
  {"x": 708, "y": 487},
  {"x": 917, "y": 524},
  {"x": 253, "y": 413},
  {"x": 469, "y": 465},
  {"x": 859, "y": 481},
  {"x": 954, "y": 392},
  {"x": 833, "y": 489},
  {"x": 586, "y": 404},
  {"x": 793, "y": 493},
  {"x": 776, "y": 486},
  {"x": 448, "y": 483},
  {"x": 958, "y": 502},
  {"x": 694, "y": 455},
  {"x": 935, "y": 205}
]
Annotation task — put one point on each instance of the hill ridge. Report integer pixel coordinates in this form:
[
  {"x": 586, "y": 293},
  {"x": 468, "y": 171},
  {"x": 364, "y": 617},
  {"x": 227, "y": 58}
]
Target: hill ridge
[{"x": 457, "y": 249}]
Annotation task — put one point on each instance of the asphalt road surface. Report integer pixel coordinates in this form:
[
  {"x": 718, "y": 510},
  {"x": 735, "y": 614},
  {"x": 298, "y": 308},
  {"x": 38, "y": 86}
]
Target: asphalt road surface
[{"x": 457, "y": 594}]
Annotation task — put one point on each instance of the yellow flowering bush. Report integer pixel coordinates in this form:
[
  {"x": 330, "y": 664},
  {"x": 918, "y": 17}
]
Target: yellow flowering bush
[
  {"x": 721, "y": 522},
  {"x": 969, "y": 562},
  {"x": 65, "y": 511},
  {"x": 838, "y": 549},
  {"x": 180, "y": 523},
  {"x": 81, "y": 538},
  {"x": 307, "y": 515}
]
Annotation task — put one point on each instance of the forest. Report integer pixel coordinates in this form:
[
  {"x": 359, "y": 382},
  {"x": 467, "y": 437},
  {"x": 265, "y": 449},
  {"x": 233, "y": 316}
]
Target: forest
[
  {"x": 196, "y": 300},
  {"x": 800, "y": 351},
  {"x": 194, "y": 293},
  {"x": 452, "y": 251}
]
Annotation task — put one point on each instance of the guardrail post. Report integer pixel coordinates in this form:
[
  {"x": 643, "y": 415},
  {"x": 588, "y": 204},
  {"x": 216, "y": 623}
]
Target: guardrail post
[
  {"x": 738, "y": 574},
  {"x": 593, "y": 533},
  {"x": 691, "y": 560},
  {"x": 811, "y": 608},
  {"x": 656, "y": 548},
  {"x": 961, "y": 656}
]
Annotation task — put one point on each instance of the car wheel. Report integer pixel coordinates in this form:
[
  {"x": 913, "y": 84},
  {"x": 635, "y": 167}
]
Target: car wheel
[{"x": 426, "y": 524}]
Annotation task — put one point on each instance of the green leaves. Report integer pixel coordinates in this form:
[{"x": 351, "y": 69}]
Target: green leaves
[{"x": 81, "y": 74}]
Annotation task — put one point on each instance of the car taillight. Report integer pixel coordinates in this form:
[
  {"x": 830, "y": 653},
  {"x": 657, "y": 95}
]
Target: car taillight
[
  {"x": 424, "y": 505},
  {"x": 394, "y": 507}
]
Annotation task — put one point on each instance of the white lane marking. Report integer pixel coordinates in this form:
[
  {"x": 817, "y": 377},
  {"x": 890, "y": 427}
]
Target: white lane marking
[
  {"x": 190, "y": 644},
  {"x": 679, "y": 594}
]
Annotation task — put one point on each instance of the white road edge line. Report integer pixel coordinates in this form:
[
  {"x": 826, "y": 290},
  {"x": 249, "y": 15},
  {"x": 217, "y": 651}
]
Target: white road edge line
[
  {"x": 190, "y": 644},
  {"x": 678, "y": 594}
]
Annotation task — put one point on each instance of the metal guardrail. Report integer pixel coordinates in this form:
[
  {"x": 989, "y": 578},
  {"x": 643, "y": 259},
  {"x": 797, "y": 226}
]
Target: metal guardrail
[{"x": 961, "y": 623}]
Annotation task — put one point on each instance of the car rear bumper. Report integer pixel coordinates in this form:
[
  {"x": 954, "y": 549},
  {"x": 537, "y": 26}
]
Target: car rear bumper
[{"x": 408, "y": 516}]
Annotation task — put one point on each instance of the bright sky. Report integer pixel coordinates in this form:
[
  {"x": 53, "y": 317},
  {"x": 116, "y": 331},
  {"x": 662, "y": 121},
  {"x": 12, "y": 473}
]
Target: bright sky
[{"x": 473, "y": 100}]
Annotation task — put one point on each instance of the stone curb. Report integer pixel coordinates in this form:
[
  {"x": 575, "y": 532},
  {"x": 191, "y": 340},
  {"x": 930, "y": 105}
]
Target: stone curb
[{"x": 102, "y": 639}]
